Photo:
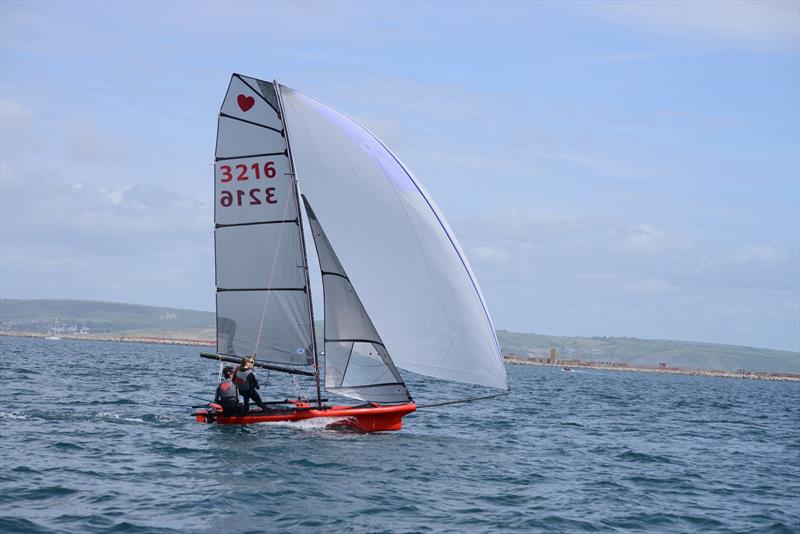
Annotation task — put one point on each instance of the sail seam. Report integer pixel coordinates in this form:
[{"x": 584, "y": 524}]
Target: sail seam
[{"x": 226, "y": 116}]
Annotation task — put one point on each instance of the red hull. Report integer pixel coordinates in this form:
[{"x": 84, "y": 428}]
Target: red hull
[{"x": 374, "y": 418}]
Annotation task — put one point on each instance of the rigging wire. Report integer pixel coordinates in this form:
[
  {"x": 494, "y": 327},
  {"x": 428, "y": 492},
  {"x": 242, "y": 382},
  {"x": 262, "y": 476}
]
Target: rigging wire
[
  {"x": 299, "y": 389},
  {"x": 471, "y": 399}
]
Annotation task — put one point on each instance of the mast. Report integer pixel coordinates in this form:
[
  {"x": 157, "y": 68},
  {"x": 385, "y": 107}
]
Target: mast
[{"x": 302, "y": 241}]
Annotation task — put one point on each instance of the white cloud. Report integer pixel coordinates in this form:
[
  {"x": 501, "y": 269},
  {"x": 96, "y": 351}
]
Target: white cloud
[{"x": 60, "y": 211}]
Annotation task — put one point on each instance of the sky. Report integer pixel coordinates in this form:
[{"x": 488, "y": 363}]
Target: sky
[{"x": 610, "y": 168}]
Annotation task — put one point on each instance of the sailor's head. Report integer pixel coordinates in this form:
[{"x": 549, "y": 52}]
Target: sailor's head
[
  {"x": 227, "y": 372},
  {"x": 247, "y": 362}
]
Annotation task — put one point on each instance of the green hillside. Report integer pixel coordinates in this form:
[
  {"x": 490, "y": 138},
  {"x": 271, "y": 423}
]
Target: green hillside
[
  {"x": 115, "y": 319},
  {"x": 104, "y": 318}
]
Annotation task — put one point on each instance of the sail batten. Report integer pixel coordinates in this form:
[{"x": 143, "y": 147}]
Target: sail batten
[
  {"x": 251, "y": 122},
  {"x": 218, "y": 158},
  {"x": 291, "y": 221},
  {"x": 223, "y": 289}
]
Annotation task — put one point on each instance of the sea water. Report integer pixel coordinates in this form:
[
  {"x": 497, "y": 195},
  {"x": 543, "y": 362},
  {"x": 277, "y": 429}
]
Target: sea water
[{"x": 97, "y": 437}]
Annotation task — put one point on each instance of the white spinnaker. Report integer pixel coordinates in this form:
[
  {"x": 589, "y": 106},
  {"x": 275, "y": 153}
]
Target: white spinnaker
[{"x": 401, "y": 256}]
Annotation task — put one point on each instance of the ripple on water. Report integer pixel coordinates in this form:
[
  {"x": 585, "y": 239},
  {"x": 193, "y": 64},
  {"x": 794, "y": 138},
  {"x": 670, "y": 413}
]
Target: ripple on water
[
  {"x": 25, "y": 470},
  {"x": 67, "y": 446},
  {"x": 18, "y": 416},
  {"x": 632, "y": 456},
  {"x": 17, "y": 525},
  {"x": 37, "y": 494},
  {"x": 171, "y": 449},
  {"x": 307, "y": 463}
]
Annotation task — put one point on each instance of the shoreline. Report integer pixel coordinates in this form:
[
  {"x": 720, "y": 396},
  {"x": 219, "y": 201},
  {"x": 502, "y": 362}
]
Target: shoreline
[
  {"x": 510, "y": 359},
  {"x": 117, "y": 339},
  {"x": 749, "y": 375}
]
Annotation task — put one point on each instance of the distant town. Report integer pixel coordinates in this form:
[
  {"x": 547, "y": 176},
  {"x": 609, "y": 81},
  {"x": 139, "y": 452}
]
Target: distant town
[{"x": 552, "y": 360}]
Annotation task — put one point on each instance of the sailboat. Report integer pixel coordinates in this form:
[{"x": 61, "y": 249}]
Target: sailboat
[
  {"x": 53, "y": 336},
  {"x": 398, "y": 291}
]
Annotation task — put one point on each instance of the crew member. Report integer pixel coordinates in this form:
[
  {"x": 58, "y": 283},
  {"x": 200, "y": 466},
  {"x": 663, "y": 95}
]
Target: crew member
[
  {"x": 247, "y": 384},
  {"x": 227, "y": 395}
]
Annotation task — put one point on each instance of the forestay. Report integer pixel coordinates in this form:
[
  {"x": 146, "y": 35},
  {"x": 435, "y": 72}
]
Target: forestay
[
  {"x": 401, "y": 257},
  {"x": 263, "y": 307},
  {"x": 357, "y": 363}
]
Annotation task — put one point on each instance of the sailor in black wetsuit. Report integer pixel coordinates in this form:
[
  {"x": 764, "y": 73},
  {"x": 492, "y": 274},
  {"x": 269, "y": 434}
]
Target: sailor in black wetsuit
[
  {"x": 247, "y": 384},
  {"x": 227, "y": 395}
]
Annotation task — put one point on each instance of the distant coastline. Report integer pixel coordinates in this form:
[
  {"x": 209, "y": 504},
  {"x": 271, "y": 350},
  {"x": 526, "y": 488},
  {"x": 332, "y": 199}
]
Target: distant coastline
[
  {"x": 508, "y": 358},
  {"x": 114, "y": 321},
  {"x": 616, "y": 366},
  {"x": 119, "y": 338}
]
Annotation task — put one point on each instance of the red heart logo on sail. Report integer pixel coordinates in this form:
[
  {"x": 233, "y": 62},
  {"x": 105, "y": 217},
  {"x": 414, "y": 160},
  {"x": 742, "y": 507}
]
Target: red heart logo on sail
[{"x": 245, "y": 102}]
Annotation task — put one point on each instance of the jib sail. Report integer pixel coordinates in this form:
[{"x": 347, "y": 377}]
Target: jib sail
[{"x": 357, "y": 363}]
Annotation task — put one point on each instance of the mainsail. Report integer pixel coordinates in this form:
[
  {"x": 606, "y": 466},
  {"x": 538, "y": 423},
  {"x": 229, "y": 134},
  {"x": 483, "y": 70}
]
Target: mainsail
[
  {"x": 357, "y": 363},
  {"x": 263, "y": 302},
  {"x": 402, "y": 258}
]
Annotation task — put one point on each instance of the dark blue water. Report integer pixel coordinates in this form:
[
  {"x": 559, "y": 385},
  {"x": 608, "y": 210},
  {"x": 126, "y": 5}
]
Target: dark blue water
[{"x": 91, "y": 444}]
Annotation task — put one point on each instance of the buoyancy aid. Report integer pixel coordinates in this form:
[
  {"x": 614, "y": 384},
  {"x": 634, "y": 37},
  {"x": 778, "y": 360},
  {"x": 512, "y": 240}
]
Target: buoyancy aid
[
  {"x": 227, "y": 391},
  {"x": 242, "y": 380}
]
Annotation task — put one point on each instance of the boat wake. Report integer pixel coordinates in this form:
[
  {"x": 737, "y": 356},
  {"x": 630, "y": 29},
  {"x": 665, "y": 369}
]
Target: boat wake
[
  {"x": 18, "y": 416},
  {"x": 315, "y": 424},
  {"x": 78, "y": 416},
  {"x": 117, "y": 417}
]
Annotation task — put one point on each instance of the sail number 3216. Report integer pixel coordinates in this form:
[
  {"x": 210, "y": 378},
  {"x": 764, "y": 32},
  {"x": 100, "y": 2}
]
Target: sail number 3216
[
  {"x": 242, "y": 173},
  {"x": 252, "y": 197}
]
